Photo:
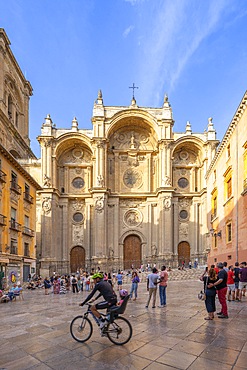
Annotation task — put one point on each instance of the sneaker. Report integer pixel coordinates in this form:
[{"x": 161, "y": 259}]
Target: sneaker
[
  {"x": 153, "y": 306},
  {"x": 219, "y": 313},
  {"x": 223, "y": 316},
  {"x": 161, "y": 306}
]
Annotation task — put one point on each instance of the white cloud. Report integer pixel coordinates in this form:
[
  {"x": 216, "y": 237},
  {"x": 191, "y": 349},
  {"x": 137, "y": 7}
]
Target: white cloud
[
  {"x": 127, "y": 31},
  {"x": 176, "y": 30}
]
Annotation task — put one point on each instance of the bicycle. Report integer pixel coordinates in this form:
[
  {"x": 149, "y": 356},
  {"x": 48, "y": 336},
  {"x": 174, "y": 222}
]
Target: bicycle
[{"x": 118, "y": 329}]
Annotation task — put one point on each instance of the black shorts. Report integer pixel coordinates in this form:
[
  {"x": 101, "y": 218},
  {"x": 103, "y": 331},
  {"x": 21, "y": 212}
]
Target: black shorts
[{"x": 105, "y": 304}]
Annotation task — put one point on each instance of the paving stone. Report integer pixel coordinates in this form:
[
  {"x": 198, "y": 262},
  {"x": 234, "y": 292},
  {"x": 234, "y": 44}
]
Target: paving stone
[{"x": 35, "y": 333}]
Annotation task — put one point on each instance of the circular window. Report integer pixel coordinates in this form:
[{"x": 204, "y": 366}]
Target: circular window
[
  {"x": 78, "y": 183},
  {"x": 183, "y": 182},
  {"x": 78, "y": 217},
  {"x": 183, "y": 214}
]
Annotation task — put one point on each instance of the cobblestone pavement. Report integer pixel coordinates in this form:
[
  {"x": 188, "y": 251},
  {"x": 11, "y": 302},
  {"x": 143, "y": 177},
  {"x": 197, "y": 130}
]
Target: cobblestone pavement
[{"x": 35, "y": 334}]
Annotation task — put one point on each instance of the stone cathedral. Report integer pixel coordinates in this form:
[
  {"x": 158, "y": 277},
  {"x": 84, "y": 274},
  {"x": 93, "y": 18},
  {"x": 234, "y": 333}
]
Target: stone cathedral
[{"x": 126, "y": 193}]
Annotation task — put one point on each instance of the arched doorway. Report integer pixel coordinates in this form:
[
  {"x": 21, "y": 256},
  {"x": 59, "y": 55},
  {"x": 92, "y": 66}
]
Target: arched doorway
[
  {"x": 132, "y": 252},
  {"x": 183, "y": 253},
  {"x": 77, "y": 259}
]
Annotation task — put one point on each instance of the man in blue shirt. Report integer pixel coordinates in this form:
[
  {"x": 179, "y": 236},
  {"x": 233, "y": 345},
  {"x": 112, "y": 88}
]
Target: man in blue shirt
[{"x": 152, "y": 281}]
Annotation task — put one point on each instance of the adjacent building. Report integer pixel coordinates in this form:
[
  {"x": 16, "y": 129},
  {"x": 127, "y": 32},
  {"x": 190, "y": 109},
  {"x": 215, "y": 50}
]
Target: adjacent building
[
  {"x": 227, "y": 193},
  {"x": 17, "y": 187}
]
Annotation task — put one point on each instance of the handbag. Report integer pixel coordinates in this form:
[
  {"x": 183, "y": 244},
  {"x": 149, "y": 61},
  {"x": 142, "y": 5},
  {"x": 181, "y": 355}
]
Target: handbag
[{"x": 202, "y": 295}]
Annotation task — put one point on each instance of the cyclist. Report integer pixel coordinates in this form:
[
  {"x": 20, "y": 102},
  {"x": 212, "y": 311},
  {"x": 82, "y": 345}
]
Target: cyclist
[{"x": 106, "y": 290}]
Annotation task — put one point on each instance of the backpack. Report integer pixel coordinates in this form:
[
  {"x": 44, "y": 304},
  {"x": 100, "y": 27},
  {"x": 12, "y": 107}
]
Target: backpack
[{"x": 73, "y": 280}]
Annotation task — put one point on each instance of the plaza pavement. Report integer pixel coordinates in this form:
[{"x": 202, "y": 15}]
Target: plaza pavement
[{"x": 34, "y": 334}]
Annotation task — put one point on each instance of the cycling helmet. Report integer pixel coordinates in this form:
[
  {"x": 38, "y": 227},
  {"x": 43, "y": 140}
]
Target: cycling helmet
[
  {"x": 97, "y": 275},
  {"x": 123, "y": 292}
]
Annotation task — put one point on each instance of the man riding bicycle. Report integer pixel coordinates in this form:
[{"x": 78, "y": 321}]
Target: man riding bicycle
[{"x": 105, "y": 289}]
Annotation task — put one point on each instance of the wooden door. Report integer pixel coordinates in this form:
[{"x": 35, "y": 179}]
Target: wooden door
[
  {"x": 77, "y": 259},
  {"x": 183, "y": 253},
  {"x": 132, "y": 252}
]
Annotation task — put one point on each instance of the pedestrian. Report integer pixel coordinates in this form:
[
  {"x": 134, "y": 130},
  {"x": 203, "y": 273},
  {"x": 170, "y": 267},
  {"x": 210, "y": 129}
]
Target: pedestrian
[
  {"x": 74, "y": 284},
  {"x": 230, "y": 284},
  {"x": 152, "y": 281},
  {"x": 47, "y": 285},
  {"x": 87, "y": 282},
  {"x": 109, "y": 278},
  {"x": 221, "y": 287},
  {"x": 243, "y": 280},
  {"x": 162, "y": 286},
  {"x": 210, "y": 291},
  {"x": 56, "y": 285},
  {"x": 236, "y": 280},
  {"x": 119, "y": 280},
  {"x": 135, "y": 281}
]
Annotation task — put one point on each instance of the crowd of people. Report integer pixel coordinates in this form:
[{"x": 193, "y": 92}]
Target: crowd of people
[{"x": 229, "y": 283}]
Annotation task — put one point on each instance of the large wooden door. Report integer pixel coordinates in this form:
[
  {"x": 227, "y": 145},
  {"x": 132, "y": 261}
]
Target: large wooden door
[
  {"x": 183, "y": 253},
  {"x": 77, "y": 259},
  {"x": 132, "y": 252}
]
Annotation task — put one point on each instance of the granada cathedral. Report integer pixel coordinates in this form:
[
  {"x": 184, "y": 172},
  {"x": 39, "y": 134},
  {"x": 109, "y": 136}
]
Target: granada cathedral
[{"x": 129, "y": 191}]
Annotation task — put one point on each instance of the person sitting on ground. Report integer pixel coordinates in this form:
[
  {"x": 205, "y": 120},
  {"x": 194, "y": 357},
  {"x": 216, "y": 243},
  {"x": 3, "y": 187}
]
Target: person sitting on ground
[
  {"x": 122, "y": 293},
  {"x": 3, "y": 297},
  {"x": 105, "y": 289}
]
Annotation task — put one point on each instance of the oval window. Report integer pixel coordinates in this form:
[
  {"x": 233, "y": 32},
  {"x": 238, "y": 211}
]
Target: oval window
[
  {"x": 78, "y": 183},
  {"x": 183, "y": 182},
  {"x": 78, "y": 217},
  {"x": 183, "y": 214}
]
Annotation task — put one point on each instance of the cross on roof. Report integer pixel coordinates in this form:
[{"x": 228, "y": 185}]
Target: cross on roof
[{"x": 133, "y": 87}]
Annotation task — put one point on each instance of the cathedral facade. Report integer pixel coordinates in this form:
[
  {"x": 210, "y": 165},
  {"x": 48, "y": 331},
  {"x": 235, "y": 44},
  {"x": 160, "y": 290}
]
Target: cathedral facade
[{"x": 126, "y": 193}]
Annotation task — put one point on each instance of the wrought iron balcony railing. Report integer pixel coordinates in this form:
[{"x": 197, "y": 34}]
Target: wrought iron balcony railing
[
  {"x": 14, "y": 186},
  {"x": 14, "y": 225},
  {"x": 28, "y": 197},
  {"x": 27, "y": 231}
]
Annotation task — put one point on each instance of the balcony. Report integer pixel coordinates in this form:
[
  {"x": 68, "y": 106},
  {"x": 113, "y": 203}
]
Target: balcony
[
  {"x": 28, "y": 197},
  {"x": 27, "y": 231},
  {"x": 2, "y": 176},
  {"x": 14, "y": 225},
  {"x": 3, "y": 220},
  {"x": 15, "y": 187}
]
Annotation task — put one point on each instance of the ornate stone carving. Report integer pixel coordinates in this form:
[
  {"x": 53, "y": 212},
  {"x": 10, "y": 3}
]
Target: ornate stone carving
[
  {"x": 154, "y": 251},
  {"x": 78, "y": 205},
  {"x": 46, "y": 205},
  {"x": 166, "y": 181},
  {"x": 131, "y": 203},
  {"x": 133, "y": 217},
  {"x": 77, "y": 234},
  {"x": 47, "y": 181},
  {"x": 111, "y": 253},
  {"x": 167, "y": 203},
  {"x": 132, "y": 178},
  {"x": 100, "y": 181},
  {"x": 184, "y": 229},
  {"x": 99, "y": 204}
]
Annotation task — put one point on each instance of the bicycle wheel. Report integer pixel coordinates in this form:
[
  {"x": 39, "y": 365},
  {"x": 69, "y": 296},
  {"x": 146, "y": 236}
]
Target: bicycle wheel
[
  {"x": 81, "y": 328},
  {"x": 119, "y": 331}
]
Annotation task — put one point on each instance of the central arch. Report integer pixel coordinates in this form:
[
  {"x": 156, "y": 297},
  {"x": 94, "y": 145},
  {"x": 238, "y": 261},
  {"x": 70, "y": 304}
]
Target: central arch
[
  {"x": 77, "y": 259},
  {"x": 183, "y": 253},
  {"x": 132, "y": 253}
]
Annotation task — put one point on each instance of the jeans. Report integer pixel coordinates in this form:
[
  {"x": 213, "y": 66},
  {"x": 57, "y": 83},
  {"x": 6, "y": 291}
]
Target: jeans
[
  {"x": 162, "y": 291},
  {"x": 134, "y": 287}
]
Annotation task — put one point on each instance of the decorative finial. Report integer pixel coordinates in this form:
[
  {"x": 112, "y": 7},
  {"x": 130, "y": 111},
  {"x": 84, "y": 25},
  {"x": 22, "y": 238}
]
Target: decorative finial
[
  {"x": 48, "y": 120},
  {"x": 99, "y": 94},
  {"x": 166, "y": 102},
  {"x": 74, "y": 125},
  {"x": 133, "y": 87},
  {"x": 188, "y": 128}
]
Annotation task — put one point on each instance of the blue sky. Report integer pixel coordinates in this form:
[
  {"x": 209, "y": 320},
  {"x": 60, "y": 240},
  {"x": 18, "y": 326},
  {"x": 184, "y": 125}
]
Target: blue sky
[{"x": 193, "y": 50}]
